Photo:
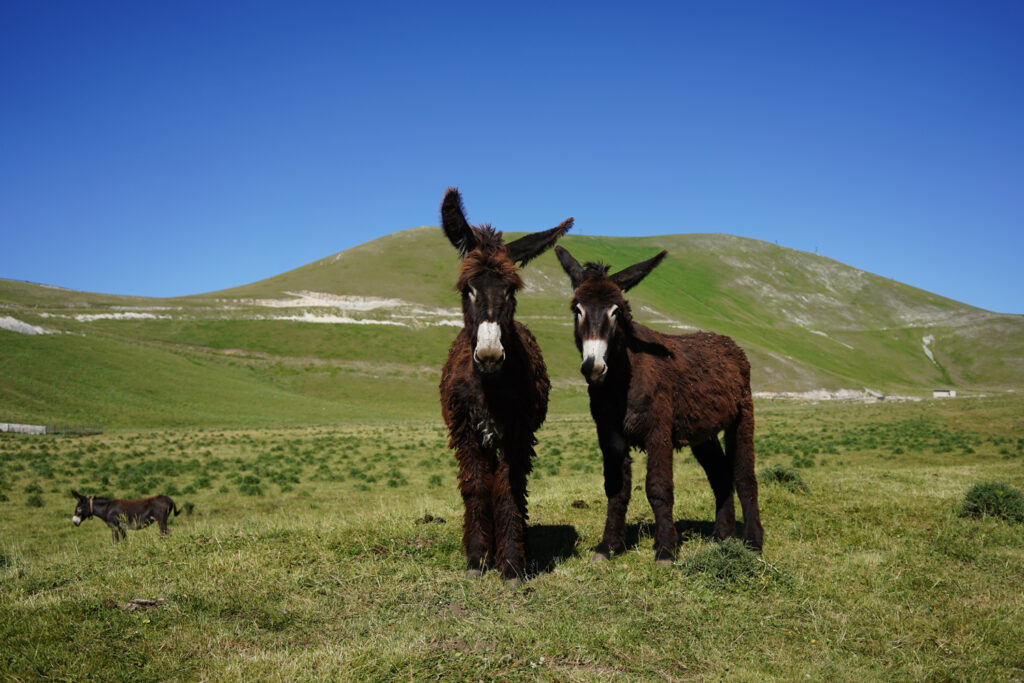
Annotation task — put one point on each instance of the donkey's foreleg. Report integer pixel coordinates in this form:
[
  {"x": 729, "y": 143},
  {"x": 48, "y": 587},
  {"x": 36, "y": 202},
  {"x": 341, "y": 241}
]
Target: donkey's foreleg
[
  {"x": 475, "y": 482},
  {"x": 618, "y": 483},
  {"x": 509, "y": 501},
  {"x": 661, "y": 496},
  {"x": 718, "y": 469},
  {"x": 739, "y": 446}
]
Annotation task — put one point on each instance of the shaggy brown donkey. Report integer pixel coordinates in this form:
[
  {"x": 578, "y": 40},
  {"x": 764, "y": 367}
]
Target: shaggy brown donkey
[
  {"x": 658, "y": 392},
  {"x": 494, "y": 390},
  {"x": 119, "y": 514}
]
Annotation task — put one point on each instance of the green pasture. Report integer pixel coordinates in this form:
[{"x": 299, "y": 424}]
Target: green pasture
[{"x": 332, "y": 551}]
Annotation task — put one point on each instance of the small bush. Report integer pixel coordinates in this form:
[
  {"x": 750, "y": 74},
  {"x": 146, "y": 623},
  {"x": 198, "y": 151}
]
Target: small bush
[
  {"x": 250, "y": 485},
  {"x": 728, "y": 563},
  {"x": 33, "y": 488},
  {"x": 434, "y": 481},
  {"x": 994, "y": 499},
  {"x": 34, "y": 501},
  {"x": 786, "y": 477}
]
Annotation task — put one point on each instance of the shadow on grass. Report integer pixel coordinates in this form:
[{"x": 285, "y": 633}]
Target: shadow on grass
[
  {"x": 548, "y": 545},
  {"x": 686, "y": 528}
]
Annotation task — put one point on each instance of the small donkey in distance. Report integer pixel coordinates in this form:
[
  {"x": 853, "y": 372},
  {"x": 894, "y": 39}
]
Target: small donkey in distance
[{"x": 121, "y": 514}]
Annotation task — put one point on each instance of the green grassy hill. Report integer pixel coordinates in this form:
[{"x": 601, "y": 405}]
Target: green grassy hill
[{"x": 362, "y": 334}]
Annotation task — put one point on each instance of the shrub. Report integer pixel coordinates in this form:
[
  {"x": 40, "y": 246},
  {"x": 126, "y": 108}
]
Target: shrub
[
  {"x": 726, "y": 563},
  {"x": 34, "y": 501},
  {"x": 786, "y": 477},
  {"x": 994, "y": 499},
  {"x": 250, "y": 485}
]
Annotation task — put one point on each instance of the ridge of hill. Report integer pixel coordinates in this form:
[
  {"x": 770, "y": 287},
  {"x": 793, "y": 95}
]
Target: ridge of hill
[{"x": 361, "y": 334}]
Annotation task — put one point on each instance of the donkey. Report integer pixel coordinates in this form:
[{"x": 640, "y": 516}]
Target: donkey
[
  {"x": 659, "y": 392},
  {"x": 494, "y": 390},
  {"x": 120, "y": 514}
]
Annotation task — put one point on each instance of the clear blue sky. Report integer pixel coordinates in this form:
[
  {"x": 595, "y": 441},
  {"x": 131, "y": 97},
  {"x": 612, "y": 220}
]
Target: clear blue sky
[{"x": 172, "y": 148}]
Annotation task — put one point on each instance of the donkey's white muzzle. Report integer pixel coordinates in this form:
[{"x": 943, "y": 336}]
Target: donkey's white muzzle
[
  {"x": 594, "y": 366},
  {"x": 489, "y": 353}
]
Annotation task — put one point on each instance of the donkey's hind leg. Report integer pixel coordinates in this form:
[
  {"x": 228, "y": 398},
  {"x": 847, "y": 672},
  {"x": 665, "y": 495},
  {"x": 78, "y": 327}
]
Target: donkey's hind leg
[
  {"x": 719, "y": 472},
  {"x": 739, "y": 446}
]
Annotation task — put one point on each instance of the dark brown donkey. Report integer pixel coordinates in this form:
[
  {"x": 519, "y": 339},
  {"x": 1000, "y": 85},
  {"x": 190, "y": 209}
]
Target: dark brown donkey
[
  {"x": 121, "y": 514},
  {"x": 658, "y": 392},
  {"x": 494, "y": 390}
]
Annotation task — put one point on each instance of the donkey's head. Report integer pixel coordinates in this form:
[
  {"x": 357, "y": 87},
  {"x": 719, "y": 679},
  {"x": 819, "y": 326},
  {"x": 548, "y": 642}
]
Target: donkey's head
[
  {"x": 83, "y": 508},
  {"x": 603, "y": 318},
  {"x": 489, "y": 278}
]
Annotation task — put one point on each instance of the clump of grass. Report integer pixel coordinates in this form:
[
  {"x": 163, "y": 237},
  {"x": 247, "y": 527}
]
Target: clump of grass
[
  {"x": 786, "y": 477},
  {"x": 250, "y": 485},
  {"x": 34, "y": 501},
  {"x": 993, "y": 499},
  {"x": 729, "y": 563}
]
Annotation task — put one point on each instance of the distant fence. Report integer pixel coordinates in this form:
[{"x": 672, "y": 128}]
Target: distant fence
[{"x": 59, "y": 430}]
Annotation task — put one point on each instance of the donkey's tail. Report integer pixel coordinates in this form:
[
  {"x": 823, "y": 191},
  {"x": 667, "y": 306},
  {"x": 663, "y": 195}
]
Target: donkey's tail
[{"x": 174, "y": 507}]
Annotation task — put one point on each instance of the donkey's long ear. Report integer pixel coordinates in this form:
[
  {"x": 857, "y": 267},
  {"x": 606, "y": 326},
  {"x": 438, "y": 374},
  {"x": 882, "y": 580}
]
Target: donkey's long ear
[
  {"x": 76, "y": 494},
  {"x": 630, "y": 277},
  {"x": 570, "y": 265},
  {"x": 453, "y": 220},
  {"x": 525, "y": 249}
]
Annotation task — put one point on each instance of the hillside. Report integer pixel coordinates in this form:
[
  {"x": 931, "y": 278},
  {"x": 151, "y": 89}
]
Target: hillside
[{"x": 362, "y": 334}]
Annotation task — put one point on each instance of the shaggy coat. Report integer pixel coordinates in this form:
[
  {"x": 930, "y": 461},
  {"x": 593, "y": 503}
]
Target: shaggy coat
[
  {"x": 659, "y": 392},
  {"x": 494, "y": 390},
  {"x": 125, "y": 514}
]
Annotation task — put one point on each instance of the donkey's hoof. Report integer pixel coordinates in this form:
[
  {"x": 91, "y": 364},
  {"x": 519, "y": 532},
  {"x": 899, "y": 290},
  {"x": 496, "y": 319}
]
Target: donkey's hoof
[
  {"x": 512, "y": 583},
  {"x": 474, "y": 573},
  {"x": 663, "y": 562},
  {"x": 599, "y": 557}
]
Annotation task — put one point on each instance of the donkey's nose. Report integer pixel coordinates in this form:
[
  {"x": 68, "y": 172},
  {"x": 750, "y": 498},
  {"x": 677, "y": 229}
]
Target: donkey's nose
[
  {"x": 488, "y": 360},
  {"x": 489, "y": 353},
  {"x": 593, "y": 369}
]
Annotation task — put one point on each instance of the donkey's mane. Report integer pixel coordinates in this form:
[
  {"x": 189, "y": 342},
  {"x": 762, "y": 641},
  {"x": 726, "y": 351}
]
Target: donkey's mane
[
  {"x": 595, "y": 269},
  {"x": 490, "y": 254}
]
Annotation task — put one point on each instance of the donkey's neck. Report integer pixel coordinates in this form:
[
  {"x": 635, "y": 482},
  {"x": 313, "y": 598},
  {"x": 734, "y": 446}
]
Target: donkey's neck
[{"x": 100, "y": 507}]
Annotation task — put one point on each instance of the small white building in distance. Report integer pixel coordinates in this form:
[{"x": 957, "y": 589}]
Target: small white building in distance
[{"x": 944, "y": 393}]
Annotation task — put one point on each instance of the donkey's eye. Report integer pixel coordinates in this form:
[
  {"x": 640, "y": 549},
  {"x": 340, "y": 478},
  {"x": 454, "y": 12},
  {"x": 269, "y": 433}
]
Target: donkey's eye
[
  {"x": 472, "y": 294},
  {"x": 578, "y": 310},
  {"x": 611, "y": 312}
]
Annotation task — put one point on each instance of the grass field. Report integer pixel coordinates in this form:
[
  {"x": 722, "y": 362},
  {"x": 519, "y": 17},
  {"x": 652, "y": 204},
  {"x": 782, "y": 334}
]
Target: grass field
[{"x": 334, "y": 552}]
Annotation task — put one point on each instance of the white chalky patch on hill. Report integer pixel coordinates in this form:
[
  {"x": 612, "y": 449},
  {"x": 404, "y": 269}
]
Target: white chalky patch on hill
[
  {"x": 324, "y": 300},
  {"x": 927, "y": 341},
  {"x": 389, "y": 311},
  {"x": 90, "y": 317},
  {"x": 21, "y": 327},
  {"x": 657, "y": 317},
  {"x": 333, "y": 320},
  {"x": 823, "y": 334}
]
